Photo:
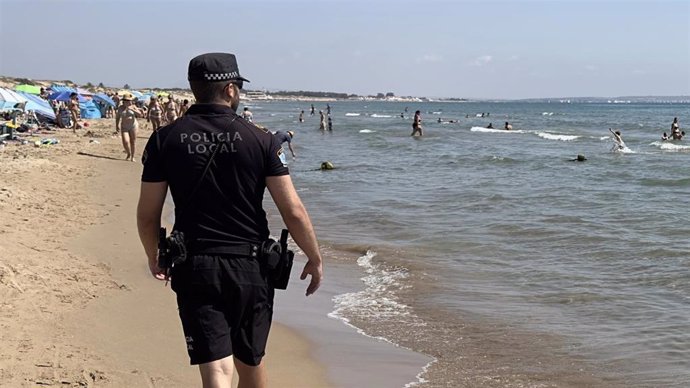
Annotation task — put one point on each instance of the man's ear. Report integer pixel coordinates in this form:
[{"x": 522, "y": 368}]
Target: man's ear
[{"x": 230, "y": 91}]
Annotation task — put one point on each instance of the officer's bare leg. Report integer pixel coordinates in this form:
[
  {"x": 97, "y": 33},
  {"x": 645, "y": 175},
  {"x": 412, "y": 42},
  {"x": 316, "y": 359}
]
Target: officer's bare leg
[
  {"x": 217, "y": 374},
  {"x": 251, "y": 376}
]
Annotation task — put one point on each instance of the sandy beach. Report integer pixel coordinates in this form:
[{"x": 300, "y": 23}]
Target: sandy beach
[{"x": 79, "y": 308}]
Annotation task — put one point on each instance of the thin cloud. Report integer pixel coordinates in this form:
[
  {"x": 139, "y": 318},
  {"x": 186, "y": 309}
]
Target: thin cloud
[
  {"x": 482, "y": 61},
  {"x": 429, "y": 58},
  {"x": 591, "y": 68}
]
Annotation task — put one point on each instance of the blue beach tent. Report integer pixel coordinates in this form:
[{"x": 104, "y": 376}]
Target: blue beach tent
[{"x": 89, "y": 110}]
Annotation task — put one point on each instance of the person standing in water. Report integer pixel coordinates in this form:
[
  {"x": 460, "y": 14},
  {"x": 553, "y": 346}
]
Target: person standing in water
[
  {"x": 675, "y": 129},
  {"x": 417, "y": 124},
  {"x": 301, "y": 116},
  {"x": 618, "y": 139},
  {"x": 322, "y": 122},
  {"x": 247, "y": 115}
]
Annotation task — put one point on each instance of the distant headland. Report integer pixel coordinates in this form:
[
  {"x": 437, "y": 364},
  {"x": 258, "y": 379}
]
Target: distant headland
[{"x": 305, "y": 95}]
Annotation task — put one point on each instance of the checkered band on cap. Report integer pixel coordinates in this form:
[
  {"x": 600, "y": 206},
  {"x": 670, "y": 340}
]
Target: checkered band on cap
[{"x": 221, "y": 76}]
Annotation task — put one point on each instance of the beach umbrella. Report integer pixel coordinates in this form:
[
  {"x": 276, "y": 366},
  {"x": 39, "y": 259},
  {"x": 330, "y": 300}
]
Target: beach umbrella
[
  {"x": 31, "y": 89},
  {"x": 61, "y": 88},
  {"x": 84, "y": 92},
  {"x": 9, "y": 98},
  {"x": 64, "y": 96},
  {"x": 38, "y": 105}
]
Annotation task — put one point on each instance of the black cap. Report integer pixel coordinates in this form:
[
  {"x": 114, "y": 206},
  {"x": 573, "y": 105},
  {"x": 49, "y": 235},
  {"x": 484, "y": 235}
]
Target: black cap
[{"x": 214, "y": 67}]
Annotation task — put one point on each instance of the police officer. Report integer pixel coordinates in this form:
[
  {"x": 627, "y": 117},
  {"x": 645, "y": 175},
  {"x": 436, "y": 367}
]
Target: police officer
[{"x": 225, "y": 300}]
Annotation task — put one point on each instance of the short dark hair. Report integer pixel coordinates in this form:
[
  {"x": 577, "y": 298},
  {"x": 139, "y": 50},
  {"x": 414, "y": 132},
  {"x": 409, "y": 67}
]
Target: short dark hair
[{"x": 205, "y": 92}]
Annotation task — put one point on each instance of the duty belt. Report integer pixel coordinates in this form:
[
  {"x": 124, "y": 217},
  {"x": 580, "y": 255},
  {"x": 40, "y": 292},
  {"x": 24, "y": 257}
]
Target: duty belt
[{"x": 236, "y": 249}]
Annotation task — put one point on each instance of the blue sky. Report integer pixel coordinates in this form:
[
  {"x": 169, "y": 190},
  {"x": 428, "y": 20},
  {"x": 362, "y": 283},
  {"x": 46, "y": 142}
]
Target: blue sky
[{"x": 472, "y": 49}]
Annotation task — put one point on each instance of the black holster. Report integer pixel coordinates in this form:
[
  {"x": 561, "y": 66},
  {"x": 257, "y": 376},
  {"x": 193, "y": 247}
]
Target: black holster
[
  {"x": 172, "y": 250},
  {"x": 277, "y": 259}
]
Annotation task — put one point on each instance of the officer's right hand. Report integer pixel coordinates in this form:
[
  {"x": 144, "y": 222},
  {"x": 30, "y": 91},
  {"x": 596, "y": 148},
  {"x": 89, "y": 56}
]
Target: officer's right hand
[
  {"x": 157, "y": 272},
  {"x": 316, "y": 272}
]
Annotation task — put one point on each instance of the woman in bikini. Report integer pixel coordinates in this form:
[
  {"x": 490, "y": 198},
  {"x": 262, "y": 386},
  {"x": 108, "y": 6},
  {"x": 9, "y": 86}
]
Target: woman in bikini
[
  {"x": 184, "y": 107},
  {"x": 155, "y": 114},
  {"x": 126, "y": 123},
  {"x": 172, "y": 111}
]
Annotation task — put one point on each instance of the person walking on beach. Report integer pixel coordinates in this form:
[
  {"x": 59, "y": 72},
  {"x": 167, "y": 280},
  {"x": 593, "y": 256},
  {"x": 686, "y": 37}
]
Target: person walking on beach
[
  {"x": 73, "y": 107},
  {"x": 417, "y": 124},
  {"x": 184, "y": 107},
  {"x": 171, "y": 110},
  {"x": 155, "y": 113},
  {"x": 126, "y": 123},
  {"x": 224, "y": 297},
  {"x": 286, "y": 137}
]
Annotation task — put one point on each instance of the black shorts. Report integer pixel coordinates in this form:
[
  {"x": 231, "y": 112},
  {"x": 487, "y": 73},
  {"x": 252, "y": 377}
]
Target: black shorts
[{"x": 226, "y": 308}]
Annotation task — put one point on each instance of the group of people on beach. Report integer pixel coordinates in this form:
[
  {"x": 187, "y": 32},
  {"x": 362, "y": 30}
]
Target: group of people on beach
[{"x": 129, "y": 109}]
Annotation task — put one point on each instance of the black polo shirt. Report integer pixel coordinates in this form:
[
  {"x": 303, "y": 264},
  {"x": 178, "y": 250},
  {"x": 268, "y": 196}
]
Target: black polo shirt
[
  {"x": 283, "y": 137},
  {"x": 228, "y": 204}
]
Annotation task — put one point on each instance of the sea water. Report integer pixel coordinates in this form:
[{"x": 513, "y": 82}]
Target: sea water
[{"x": 493, "y": 251}]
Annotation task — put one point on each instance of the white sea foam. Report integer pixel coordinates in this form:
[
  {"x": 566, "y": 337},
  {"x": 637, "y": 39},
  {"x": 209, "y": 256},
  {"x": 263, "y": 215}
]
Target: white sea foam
[
  {"x": 669, "y": 146},
  {"x": 547, "y": 113},
  {"x": 366, "y": 131},
  {"x": 624, "y": 150},
  {"x": 553, "y": 136},
  {"x": 493, "y": 130},
  {"x": 436, "y": 113},
  {"x": 380, "y": 116},
  {"x": 604, "y": 137},
  {"x": 352, "y": 114},
  {"x": 378, "y": 300},
  {"x": 420, "y": 375}
]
